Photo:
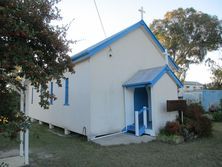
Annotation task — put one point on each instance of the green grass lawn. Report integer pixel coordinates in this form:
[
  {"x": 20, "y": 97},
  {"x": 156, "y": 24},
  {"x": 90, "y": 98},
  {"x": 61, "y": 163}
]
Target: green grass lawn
[{"x": 48, "y": 149}]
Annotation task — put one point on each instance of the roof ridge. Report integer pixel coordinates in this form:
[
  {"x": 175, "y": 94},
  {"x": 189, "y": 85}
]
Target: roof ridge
[
  {"x": 90, "y": 51},
  {"x": 87, "y": 50}
]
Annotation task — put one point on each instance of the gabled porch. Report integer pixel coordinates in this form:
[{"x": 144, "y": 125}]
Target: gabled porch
[{"x": 138, "y": 92}]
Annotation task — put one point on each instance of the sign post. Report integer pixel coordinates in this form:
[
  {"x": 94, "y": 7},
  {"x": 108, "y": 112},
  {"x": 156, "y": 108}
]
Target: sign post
[{"x": 177, "y": 105}]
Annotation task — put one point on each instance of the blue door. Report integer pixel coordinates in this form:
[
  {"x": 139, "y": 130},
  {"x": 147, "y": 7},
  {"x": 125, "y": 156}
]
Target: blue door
[{"x": 140, "y": 98}]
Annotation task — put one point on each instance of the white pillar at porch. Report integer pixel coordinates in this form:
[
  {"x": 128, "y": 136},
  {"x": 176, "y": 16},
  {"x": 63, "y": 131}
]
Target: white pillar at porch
[
  {"x": 145, "y": 117},
  {"x": 137, "y": 123},
  {"x": 26, "y": 148}
]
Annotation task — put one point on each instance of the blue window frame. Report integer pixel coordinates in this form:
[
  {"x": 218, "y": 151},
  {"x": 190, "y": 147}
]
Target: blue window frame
[
  {"x": 66, "y": 91},
  {"x": 51, "y": 93},
  {"x": 32, "y": 95}
]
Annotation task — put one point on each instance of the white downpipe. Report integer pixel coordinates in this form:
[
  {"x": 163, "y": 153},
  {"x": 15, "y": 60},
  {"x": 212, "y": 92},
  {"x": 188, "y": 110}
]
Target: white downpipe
[
  {"x": 26, "y": 147},
  {"x": 21, "y": 146},
  {"x": 117, "y": 133},
  {"x": 124, "y": 105},
  {"x": 137, "y": 123},
  {"x": 145, "y": 116}
]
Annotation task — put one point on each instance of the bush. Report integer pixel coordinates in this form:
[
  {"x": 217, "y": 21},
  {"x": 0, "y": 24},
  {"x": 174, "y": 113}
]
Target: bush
[
  {"x": 194, "y": 111},
  {"x": 195, "y": 124},
  {"x": 213, "y": 108},
  {"x": 203, "y": 127},
  {"x": 171, "y": 133},
  {"x": 172, "y": 128},
  {"x": 217, "y": 116}
]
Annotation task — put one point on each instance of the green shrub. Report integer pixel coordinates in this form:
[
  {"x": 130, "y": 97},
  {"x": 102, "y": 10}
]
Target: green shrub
[
  {"x": 217, "y": 116},
  {"x": 203, "y": 127},
  {"x": 172, "y": 128},
  {"x": 194, "y": 111},
  {"x": 195, "y": 124}
]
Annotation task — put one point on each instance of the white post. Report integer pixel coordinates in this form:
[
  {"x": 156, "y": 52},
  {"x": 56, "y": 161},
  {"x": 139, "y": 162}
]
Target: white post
[
  {"x": 51, "y": 126},
  {"x": 21, "y": 152},
  {"x": 145, "y": 116},
  {"x": 137, "y": 123},
  {"x": 66, "y": 131},
  {"x": 32, "y": 120},
  {"x": 26, "y": 136},
  {"x": 21, "y": 146},
  {"x": 182, "y": 117},
  {"x": 26, "y": 147}
]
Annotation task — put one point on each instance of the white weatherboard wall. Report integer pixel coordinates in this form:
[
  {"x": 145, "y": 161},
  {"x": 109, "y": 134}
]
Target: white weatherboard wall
[
  {"x": 96, "y": 95},
  {"x": 129, "y": 54},
  {"x": 76, "y": 115},
  {"x": 165, "y": 89}
]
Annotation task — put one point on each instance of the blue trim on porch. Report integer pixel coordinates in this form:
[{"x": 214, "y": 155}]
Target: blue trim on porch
[
  {"x": 131, "y": 128},
  {"x": 153, "y": 75},
  {"x": 173, "y": 63}
]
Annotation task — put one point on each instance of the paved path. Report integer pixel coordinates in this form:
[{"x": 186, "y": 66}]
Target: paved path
[
  {"x": 124, "y": 138},
  {"x": 16, "y": 161}
]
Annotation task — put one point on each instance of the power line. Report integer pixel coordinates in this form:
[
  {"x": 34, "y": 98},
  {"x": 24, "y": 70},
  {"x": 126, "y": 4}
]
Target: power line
[{"x": 100, "y": 19}]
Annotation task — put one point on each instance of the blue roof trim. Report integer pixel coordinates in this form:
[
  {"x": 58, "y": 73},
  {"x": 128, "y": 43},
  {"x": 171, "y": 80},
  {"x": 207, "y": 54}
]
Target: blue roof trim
[
  {"x": 174, "y": 77},
  {"x": 140, "y": 85},
  {"x": 153, "y": 36},
  {"x": 106, "y": 42},
  {"x": 173, "y": 62},
  {"x": 164, "y": 70}
]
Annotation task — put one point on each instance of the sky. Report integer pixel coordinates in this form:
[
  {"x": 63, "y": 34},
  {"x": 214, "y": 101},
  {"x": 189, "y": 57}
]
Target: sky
[{"x": 119, "y": 14}]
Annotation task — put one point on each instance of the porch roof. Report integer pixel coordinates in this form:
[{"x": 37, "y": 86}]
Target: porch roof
[{"x": 148, "y": 77}]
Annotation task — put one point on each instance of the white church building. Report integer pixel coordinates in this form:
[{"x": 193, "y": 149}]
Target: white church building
[{"x": 120, "y": 84}]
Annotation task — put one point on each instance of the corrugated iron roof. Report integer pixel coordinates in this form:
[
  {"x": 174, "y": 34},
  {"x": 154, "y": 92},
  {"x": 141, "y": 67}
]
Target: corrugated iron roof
[{"x": 150, "y": 76}]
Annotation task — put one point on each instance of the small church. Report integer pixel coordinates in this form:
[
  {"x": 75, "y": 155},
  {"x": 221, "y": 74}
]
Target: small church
[{"x": 120, "y": 84}]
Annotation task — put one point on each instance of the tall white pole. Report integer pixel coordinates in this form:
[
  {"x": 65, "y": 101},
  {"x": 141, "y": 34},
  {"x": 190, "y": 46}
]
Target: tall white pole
[
  {"x": 26, "y": 147},
  {"x": 26, "y": 136},
  {"x": 21, "y": 146}
]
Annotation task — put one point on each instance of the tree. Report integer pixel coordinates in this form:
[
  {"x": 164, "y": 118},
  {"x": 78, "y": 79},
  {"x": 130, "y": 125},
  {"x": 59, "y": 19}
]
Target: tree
[
  {"x": 31, "y": 48},
  {"x": 217, "y": 78},
  {"x": 188, "y": 35},
  {"x": 216, "y": 71}
]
